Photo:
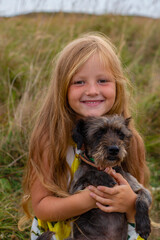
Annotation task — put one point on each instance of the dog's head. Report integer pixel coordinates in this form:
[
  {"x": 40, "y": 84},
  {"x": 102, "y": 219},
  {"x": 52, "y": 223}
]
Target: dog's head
[{"x": 105, "y": 139}]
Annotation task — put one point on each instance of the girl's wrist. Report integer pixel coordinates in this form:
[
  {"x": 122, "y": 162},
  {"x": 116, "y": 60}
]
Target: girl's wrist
[
  {"x": 87, "y": 199},
  {"x": 130, "y": 214}
]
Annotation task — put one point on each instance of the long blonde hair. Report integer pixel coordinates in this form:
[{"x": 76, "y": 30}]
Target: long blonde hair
[{"x": 52, "y": 131}]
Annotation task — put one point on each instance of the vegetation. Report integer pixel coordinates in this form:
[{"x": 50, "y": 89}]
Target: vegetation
[{"x": 27, "y": 46}]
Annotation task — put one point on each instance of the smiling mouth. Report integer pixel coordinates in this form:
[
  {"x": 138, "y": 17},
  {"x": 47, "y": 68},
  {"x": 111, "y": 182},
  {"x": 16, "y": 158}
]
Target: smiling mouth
[{"x": 92, "y": 102}]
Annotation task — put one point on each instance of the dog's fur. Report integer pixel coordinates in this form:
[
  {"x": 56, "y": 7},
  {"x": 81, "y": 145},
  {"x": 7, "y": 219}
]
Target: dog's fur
[
  {"x": 46, "y": 236},
  {"x": 105, "y": 139}
]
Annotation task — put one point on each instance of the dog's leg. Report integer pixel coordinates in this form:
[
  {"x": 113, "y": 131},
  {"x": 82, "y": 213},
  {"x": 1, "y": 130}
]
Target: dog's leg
[
  {"x": 143, "y": 203},
  {"x": 142, "y": 215}
]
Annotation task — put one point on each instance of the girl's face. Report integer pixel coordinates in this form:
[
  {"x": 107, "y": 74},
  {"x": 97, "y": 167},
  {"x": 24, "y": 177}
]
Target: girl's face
[{"x": 92, "y": 90}]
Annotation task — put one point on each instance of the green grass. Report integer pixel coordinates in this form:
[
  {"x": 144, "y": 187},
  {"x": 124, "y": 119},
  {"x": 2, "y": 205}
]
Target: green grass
[{"x": 27, "y": 47}]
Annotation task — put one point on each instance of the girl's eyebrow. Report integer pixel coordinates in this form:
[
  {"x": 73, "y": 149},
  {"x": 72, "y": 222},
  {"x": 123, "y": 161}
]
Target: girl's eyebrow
[
  {"x": 78, "y": 76},
  {"x": 104, "y": 74}
]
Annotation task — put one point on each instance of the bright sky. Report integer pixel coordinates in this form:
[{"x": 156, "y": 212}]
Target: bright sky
[{"x": 150, "y": 8}]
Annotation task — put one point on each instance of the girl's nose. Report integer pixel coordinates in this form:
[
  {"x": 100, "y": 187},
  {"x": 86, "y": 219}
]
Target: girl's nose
[{"x": 92, "y": 90}]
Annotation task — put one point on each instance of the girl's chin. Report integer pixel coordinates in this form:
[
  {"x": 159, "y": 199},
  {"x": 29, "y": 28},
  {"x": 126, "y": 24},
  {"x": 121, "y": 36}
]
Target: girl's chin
[{"x": 93, "y": 114}]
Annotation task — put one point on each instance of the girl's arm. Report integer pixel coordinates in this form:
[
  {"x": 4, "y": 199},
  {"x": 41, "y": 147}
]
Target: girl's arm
[
  {"x": 120, "y": 198},
  {"x": 49, "y": 208}
]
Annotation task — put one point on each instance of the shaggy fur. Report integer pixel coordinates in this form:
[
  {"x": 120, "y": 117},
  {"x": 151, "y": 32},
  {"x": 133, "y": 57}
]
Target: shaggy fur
[
  {"x": 105, "y": 139},
  {"x": 46, "y": 236}
]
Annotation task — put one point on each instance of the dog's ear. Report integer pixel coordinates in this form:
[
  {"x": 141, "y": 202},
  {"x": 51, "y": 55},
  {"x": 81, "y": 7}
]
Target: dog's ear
[
  {"x": 127, "y": 121},
  {"x": 78, "y": 133}
]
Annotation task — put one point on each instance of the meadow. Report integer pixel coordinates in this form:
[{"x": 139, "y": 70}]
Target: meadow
[{"x": 27, "y": 46}]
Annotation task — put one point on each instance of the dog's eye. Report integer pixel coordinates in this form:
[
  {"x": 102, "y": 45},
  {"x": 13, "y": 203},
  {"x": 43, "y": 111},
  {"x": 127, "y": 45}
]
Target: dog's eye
[
  {"x": 121, "y": 135},
  {"x": 100, "y": 133}
]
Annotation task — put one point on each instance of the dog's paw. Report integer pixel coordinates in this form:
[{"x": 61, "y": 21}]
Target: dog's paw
[{"x": 143, "y": 226}]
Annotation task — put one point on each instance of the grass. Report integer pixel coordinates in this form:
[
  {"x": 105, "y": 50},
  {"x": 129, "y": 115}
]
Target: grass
[{"x": 27, "y": 47}]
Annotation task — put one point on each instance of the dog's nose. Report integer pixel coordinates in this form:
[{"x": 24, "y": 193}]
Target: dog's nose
[{"x": 113, "y": 150}]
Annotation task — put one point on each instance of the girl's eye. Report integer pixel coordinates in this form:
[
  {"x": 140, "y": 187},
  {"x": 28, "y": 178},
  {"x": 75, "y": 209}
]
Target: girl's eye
[
  {"x": 78, "y": 82},
  {"x": 102, "y": 81}
]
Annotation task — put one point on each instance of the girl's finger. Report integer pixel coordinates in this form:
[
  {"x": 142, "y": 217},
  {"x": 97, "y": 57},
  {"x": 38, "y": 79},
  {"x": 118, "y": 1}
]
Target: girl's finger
[
  {"x": 103, "y": 191},
  {"x": 101, "y": 200},
  {"x": 118, "y": 177},
  {"x": 96, "y": 191},
  {"x": 109, "y": 191},
  {"x": 107, "y": 209}
]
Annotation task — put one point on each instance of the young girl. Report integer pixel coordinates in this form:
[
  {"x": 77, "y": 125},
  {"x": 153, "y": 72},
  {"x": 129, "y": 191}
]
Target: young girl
[{"x": 88, "y": 80}]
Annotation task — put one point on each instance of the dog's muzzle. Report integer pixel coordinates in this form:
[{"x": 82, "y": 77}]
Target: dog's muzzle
[{"x": 113, "y": 150}]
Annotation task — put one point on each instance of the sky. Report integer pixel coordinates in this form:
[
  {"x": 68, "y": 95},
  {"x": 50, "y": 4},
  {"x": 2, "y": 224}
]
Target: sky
[{"x": 148, "y": 8}]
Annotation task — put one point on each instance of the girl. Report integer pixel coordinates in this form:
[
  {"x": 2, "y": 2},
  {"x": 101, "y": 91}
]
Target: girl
[{"x": 88, "y": 80}]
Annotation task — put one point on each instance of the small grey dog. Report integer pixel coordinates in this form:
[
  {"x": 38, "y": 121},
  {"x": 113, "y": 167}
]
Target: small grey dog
[{"x": 104, "y": 141}]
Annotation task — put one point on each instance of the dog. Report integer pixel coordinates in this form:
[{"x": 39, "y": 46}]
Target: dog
[{"x": 104, "y": 142}]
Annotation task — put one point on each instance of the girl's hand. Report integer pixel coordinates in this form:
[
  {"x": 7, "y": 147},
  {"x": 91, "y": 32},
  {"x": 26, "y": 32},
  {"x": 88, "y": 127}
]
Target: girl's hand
[{"x": 120, "y": 198}]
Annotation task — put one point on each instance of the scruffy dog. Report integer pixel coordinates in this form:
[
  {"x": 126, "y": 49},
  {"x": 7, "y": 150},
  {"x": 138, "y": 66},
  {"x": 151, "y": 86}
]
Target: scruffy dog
[{"x": 104, "y": 141}]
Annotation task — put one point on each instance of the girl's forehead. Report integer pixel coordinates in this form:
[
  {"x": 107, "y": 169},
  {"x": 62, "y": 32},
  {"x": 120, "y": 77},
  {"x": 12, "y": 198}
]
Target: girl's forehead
[{"x": 96, "y": 60}]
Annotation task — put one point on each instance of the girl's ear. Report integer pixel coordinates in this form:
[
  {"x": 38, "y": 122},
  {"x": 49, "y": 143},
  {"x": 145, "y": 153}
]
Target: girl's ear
[
  {"x": 127, "y": 120},
  {"x": 78, "y": 133}
]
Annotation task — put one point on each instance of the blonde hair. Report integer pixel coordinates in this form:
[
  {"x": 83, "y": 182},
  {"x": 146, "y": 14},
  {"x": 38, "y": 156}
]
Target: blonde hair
[{"x": 52, "y": 132}]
